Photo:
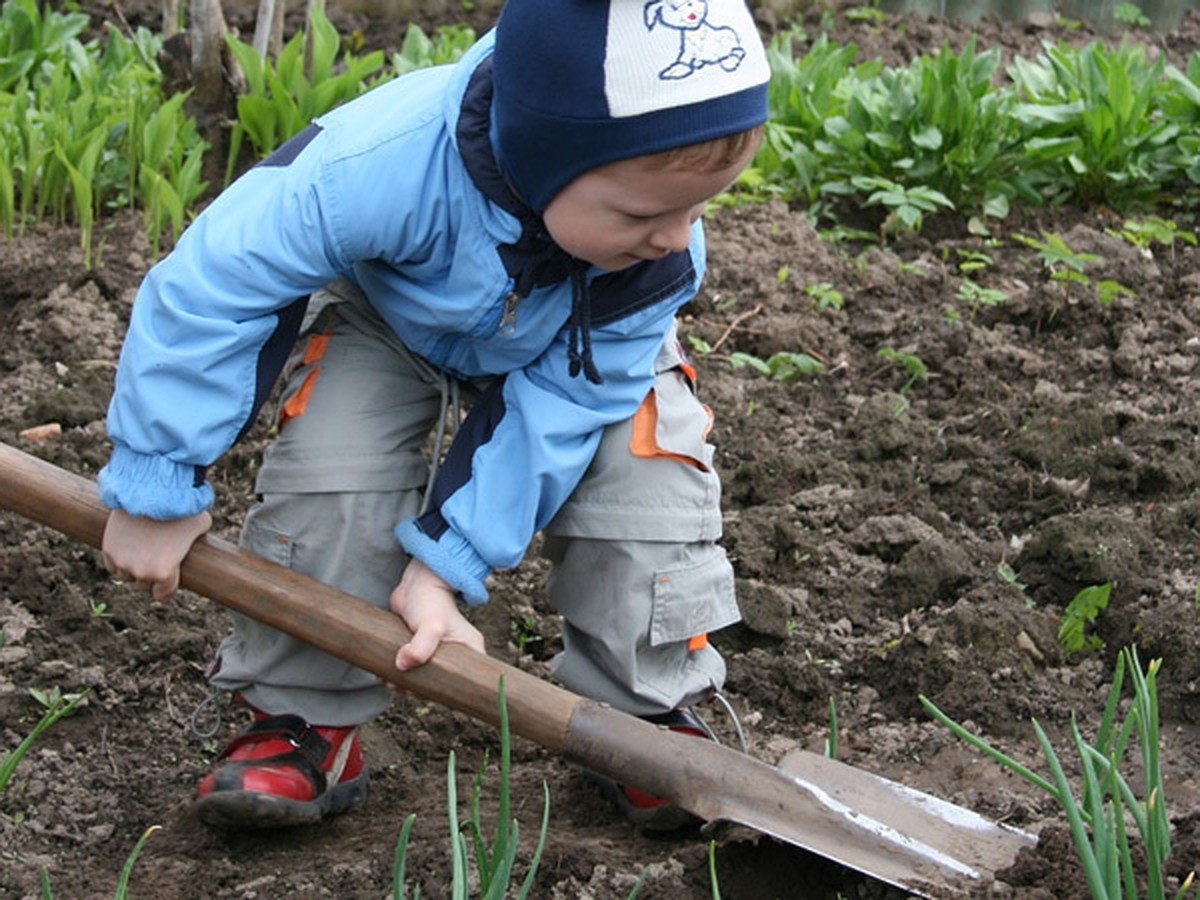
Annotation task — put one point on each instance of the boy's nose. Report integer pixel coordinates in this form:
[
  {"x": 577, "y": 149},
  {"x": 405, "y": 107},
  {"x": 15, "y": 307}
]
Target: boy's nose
[{"x": 673, "y": 236}]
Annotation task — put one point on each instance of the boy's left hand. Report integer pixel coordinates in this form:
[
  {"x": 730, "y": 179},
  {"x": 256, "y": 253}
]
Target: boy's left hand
[{"x": 429, "y": 607}]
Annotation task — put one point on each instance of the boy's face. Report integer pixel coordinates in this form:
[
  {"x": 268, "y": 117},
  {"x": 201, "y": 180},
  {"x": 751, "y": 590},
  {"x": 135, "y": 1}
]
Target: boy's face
[{"x": 633, "y": 210}]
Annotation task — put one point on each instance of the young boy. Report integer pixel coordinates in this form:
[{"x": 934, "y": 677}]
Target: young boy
[{"x": 520, "y": 227}]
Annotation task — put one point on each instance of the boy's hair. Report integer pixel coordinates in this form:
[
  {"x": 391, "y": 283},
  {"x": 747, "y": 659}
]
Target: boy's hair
[
  {"x": 580, "y": 83},
  {"x": 707, "y": 156}
]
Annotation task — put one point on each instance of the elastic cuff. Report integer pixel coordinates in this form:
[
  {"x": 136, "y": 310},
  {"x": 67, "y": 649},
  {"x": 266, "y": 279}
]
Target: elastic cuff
[
  {"x": 152, "y": 486},
  {"x": 451, "y": 557}
]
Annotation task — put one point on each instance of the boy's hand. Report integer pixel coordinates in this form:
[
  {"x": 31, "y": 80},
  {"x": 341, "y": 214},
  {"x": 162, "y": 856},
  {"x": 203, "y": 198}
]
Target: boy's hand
[
  {"x": 429, "y": 608},
  {"x": 147, "y": 552}
]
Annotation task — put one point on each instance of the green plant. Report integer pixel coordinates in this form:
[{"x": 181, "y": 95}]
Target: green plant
[
  {"x": 127, "y": 869},
  {"x": 1131, "y": 14},
  {"x": 122, "y": 891},
  {"x": 1094, "y": 121},
  {"x": 1148, "y": 230},
  {"x": 55, "y": 705},
  {"x": 1097, "y": 818},
  {"x": 972, "y": 260},
  {"x": 1009, "y": 576},
  {"x": 285, "y": 95},
  {"x": 524, "y": 631},
  {"x": 494, "y": 863},
  {"x": 782, "y": 366},
  {"x": 1066, "y": 266},
  {"x": 825, "y": 295},
  {"x": 909, "y": 362},
  {"x": 172, "y": 154},
  {"x": 448, "y": 44},
  {"x": 1083, "y": 609},
  {"x": 831, "y": 742},
  {"x": 906, "y": 205},
  {"x": 805, "y": 91},
  {"x": 975, "y": 295},
  {"x": 1108, "y": 290},
  {"x": 74, "y": 125},
  {"x": 30, "y": 38}
]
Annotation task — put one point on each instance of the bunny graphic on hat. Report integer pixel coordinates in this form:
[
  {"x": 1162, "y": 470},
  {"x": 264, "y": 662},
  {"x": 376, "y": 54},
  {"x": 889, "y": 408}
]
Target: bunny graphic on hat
[{"x": 700, "y": 42}]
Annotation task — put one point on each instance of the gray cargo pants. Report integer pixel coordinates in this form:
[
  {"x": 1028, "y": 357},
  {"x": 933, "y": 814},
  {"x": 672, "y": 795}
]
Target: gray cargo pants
[{"x": 637, "y": 574}]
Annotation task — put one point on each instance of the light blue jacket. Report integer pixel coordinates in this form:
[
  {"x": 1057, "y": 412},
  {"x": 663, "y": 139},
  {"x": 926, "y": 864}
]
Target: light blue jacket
[{"x": 398, "y": 191}]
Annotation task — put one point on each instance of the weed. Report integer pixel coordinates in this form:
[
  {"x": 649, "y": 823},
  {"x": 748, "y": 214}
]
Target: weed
[
  {"x": 524, "y": 631},
  {"x": 1009, "y": 576},
  {"x": 782, "y": 366},
  {"x": 909, "y": 362},
  {"x": 1131, "y": 14},
  {"x": 906, "y": 205},
  {"x": 976, "y": 296},
  {"x": 1148, "y": 230},
  {"x": 825, "y": 295},
  {"x": 1083, "y": 609}
]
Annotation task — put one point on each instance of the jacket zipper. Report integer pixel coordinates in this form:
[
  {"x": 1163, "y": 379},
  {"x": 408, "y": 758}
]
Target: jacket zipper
[{"x": 508, "y": 323}]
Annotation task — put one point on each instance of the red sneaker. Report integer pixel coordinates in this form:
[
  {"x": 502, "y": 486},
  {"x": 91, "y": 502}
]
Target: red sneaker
[
  {"x": 645, "y": 810},
  {"x": 282, "y": 771}
]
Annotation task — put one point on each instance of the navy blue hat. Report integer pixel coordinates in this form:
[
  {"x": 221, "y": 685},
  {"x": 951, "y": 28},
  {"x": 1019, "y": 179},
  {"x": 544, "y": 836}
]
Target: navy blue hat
[{"x": 581, "y": 83}]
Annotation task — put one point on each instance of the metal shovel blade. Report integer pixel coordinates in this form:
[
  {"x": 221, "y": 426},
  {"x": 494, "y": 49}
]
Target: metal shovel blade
[{"x": 897, "y": 835}]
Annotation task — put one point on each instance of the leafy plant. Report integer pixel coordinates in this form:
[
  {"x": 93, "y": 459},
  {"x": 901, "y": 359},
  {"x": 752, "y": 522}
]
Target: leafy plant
[
  {"x": 782, "y": 366},
  {"x": 978, "y": 296},
  {"x": 1083, "y": 609},
  {"x": 524, "y": 631},
  {"x": 1096, "y": 128},
  {"x": 284, "y": 95},
  {"x": 1149, "y": 230},
  {"x": 906, "y": 205},
  {"x": 804, "y": 93},
  {"x": 909, "y": 362},
  {"x": 1131, "y": 14},
  {"x": 31, "y": 38},
  {"x": 825, "y": 295},
  {"x": 122, "y": 891},
  {"x": 1066, "y": 266},
  {"x": 448, "y": 44}
]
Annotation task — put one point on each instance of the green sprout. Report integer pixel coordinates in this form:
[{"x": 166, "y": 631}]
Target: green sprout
[{"x": 1082, "y": 610}]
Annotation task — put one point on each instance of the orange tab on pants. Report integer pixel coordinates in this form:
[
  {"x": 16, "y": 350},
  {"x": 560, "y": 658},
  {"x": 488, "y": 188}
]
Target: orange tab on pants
[
  {"x": 698, "y": 642},
  {"x": 644, "y": 442},
  {"x": 296, "y": 404}
]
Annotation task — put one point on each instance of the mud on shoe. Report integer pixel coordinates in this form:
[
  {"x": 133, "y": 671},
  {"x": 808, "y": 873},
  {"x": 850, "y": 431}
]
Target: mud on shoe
[
  {"x": 645, "y": 810},
  {"x": 281, "y": 771}
]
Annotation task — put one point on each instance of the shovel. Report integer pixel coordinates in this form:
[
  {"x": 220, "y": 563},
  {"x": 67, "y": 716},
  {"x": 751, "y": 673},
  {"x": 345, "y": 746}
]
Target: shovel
[{"x": 905, "y": 838}]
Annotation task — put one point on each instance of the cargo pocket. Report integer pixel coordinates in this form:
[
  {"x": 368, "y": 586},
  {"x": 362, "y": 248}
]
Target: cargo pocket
[
  {"x": 266, "y": 542},
  {"x": 690, "y": 601}
]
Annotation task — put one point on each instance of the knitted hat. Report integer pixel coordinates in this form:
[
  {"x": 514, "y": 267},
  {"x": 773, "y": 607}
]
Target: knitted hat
[{"x": 581, "y": 83}]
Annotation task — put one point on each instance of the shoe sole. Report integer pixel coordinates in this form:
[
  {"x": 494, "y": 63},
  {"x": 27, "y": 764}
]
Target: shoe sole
[
  {"x": 233, "y": 810},
  {"x": 664, "y": 818}
]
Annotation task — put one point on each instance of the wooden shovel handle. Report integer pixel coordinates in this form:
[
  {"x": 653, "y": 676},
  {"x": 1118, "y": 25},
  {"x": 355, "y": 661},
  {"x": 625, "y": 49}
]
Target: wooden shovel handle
[{"x": 336, "y": 622}]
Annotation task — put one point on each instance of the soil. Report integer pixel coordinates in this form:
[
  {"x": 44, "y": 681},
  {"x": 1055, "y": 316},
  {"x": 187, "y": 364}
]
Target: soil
[{"x": 890, "y": 539}]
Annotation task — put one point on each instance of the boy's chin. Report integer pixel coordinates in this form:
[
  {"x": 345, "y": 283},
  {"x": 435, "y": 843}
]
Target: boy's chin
[{"x": 617, "y": 263}]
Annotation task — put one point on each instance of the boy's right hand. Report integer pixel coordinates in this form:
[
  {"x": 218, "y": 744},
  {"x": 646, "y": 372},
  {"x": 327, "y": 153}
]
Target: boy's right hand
[
  {"x": 429, "y": 607},
  {"x": 148, "y": 552}
]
